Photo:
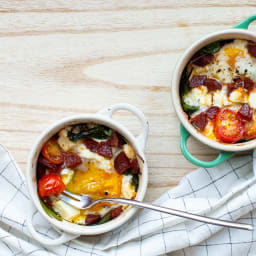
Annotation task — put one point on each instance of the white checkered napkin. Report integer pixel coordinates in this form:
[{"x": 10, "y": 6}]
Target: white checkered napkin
[{"x": 227, "y": 191}]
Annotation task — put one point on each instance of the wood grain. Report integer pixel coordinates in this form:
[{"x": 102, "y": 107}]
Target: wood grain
[{"x": 60, "y": 58}]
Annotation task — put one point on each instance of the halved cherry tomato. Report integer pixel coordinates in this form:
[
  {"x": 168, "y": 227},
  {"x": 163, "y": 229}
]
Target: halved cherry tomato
[
  {"x": 50, "y": 184},
  {"x": 250, "y": 128},
  {"x": 228, "y": 126},
  {"x": 52, "y": 152}
]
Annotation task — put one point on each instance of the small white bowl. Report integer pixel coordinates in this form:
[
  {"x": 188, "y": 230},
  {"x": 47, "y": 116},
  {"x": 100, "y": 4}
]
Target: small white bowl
[
  {"x": 67, "y": 229},
  {"x": 226, "y": 150}
]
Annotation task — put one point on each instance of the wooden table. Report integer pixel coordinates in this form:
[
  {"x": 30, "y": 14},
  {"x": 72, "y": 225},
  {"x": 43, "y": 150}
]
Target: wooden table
[{"x": 60, "y": 58}]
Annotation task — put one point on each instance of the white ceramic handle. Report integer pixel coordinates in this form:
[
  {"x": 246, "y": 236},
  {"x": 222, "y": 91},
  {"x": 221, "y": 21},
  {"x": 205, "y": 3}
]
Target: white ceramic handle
[
  {"x": 63, "y": 238},
  {"x": 142, "y": 138}
]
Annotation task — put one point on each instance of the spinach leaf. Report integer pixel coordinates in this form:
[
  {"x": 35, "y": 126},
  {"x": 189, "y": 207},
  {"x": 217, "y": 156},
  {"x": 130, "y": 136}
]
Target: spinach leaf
[
  {"x": 128, "y": 172},
  {"x": 100, "y": 132},
  {"x": 105, "y": 219},
  {"x": 189, "y": 108},
  {"x": 184, "y": 82},
  {"x": 135, "y": 181},
  {"x": 211, "y": 48},
  {"x": 50, "y": 212},
  {"x": 214, "y": 47}
]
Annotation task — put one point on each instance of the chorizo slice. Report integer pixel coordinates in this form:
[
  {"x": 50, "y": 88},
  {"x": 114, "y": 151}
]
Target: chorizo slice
[
  {"x": 248, "y": 83},
  {"x": 52, "y": 167},
  {"x": 122, "y": 163},
  {"x": 212, "y": 112},
  {"x": 202, "y": 60},
  {"x": 116, "y": 212},
  {"x": 72, "y": 160},
  {"x": 115, "y": 140},
  {"x": 92, "y": 145},
  {"x": 135, "y": 168},
  {"x": 197, "y": 80},
  {"x": 200, "y": 121},
  {"x": 212, "y": 84},
  {"x": 105, "y": 150},
  {"x": 251, "y": 46},
  {"x": 245, "y": 112},
  {"x": 92, "y": 218}
]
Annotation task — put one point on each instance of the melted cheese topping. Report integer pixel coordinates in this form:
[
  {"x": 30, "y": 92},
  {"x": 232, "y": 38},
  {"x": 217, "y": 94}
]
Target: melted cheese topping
[{"x": 231, "y": 61}]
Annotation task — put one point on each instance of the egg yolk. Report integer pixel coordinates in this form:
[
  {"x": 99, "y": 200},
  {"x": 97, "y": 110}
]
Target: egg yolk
[
  {"x": 232, "y": 54},
  {"x": 96, "y": 183}
]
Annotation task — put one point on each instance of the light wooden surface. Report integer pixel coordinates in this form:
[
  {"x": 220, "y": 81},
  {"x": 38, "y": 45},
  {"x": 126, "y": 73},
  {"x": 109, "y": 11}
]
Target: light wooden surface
[{"x": 59, "y": 58}]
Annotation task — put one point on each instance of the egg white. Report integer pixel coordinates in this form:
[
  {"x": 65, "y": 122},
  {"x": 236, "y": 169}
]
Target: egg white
[
  {"x": 127, "y": 187},
  {"x": 65, "y": 210},
  {"x": 102, "y": 162}
]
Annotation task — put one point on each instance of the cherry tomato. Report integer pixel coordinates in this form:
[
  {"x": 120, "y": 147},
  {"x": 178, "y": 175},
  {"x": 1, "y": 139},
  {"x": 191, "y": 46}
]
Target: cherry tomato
[
  {"x": 50, "y": 184},
  {"x": 250, "y": 128},
  {"x": 228, "y": 126},
  {"x": 52, "y": 152}
]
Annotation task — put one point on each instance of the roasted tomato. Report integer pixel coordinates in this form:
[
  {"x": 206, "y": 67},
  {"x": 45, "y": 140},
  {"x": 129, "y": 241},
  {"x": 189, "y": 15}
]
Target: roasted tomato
[
  {"x": 50, "y": 184},
  {"x": 228, "y": 126},
  {"x": 250, "y": 128},
  {"x": 52, "y": 152}
]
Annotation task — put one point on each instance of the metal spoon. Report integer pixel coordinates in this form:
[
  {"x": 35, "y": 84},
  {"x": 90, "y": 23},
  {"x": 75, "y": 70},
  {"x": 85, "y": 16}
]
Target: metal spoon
[{"x": 84, "y": 202}]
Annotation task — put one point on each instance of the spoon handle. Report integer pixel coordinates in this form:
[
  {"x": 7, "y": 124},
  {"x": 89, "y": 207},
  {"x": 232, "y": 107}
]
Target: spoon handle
[{"x": 179, "y": 213}]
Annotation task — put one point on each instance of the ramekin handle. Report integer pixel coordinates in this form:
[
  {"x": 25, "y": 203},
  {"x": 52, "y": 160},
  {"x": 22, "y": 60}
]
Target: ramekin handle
[
  {"x": 63, "y": 238},
  {"x": 245, "y": 23},
  {"x": 184, "y": 135},
  {"x": 142, "y": 138}
]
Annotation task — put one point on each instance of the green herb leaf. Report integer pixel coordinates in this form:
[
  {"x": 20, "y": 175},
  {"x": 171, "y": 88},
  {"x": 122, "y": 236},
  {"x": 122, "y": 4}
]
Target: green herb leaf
[
  {"x": 184, "y": 82},
  {"x": 135, "y": 181},
  {"x": 189, "y": 108},
  {"x": 211, "y": 48},
  {"x": 105, "y": 219},
  {"x": 99, "y": 132},
  {"x": 128, "y": 172},
  {"x": 50, "y": 212}
]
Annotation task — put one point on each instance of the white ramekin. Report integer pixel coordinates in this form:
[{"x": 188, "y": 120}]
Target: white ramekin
[
  {"x": 69, "y": 231},
  {"x": 226, "y": 150}
]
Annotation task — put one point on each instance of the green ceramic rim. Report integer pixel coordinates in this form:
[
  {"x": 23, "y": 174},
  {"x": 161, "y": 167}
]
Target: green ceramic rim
[{"x": 184, "y": 134}]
